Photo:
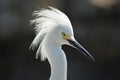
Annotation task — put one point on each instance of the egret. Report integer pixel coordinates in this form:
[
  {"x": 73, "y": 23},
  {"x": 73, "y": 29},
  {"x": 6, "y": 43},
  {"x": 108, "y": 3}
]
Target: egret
[{"x": 53, "y": 29}]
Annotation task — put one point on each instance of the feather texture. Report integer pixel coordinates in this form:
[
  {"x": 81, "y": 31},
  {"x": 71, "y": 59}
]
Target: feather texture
[{"x": 44, "y": 19}]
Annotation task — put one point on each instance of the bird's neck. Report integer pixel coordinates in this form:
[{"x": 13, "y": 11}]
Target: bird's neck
[{"x": 57, "y": 60}]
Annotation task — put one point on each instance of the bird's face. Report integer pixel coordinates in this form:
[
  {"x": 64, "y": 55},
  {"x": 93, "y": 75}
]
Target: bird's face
[{"x": 67, "y": 37}]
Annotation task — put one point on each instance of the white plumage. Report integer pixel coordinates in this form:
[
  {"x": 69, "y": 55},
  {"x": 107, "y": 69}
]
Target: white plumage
[
  {"x": 44, "y": 21},
  {"x": 53, "y": 29}
]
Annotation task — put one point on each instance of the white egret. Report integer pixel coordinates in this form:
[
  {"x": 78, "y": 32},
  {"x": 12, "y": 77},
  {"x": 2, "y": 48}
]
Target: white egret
[{"x": 53, "y": 29}]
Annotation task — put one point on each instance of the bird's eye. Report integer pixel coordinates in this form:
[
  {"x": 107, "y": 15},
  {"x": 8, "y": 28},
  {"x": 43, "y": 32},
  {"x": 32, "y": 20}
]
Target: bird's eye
[{"x": 63, "y": 34}]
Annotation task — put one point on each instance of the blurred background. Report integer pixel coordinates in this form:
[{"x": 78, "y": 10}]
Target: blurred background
[{"x": 96, "y": 26}]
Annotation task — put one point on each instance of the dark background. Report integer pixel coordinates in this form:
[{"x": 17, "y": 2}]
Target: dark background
[{"x": 96, "y": 26}]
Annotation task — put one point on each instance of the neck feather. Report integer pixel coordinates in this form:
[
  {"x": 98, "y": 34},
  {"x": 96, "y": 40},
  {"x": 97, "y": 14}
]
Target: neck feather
[{"x": 57, "y": 60}]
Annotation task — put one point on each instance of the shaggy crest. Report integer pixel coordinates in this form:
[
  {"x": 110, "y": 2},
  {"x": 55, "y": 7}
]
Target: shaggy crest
[{"x": 44, "y": 19}]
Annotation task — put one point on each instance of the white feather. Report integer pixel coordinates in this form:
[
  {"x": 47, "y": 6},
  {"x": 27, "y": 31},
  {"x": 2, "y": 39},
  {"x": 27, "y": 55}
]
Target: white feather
[
  {"x": 49, "y": 24},
  {"x": 44, "y": 19}
]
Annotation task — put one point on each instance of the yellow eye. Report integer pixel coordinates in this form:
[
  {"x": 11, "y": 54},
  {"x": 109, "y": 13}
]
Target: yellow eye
[{"x": 63, "y": 34}]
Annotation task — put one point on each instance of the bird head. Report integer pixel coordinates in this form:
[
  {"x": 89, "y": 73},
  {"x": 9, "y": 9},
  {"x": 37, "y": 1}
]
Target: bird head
[
  {"x": 55, "y": 24},
  {"x": 64, "y": 35}
]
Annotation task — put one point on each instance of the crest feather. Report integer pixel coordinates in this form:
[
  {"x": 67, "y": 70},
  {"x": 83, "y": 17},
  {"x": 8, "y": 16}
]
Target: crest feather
[{"x": 44, "y": 19}]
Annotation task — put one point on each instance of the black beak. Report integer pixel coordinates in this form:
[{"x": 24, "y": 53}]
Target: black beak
[{"x": 79, "y": 47}]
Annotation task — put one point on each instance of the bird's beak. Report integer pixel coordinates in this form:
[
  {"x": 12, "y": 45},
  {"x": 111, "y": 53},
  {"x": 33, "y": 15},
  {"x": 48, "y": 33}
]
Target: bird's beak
[{"x": 79, "y": 47}]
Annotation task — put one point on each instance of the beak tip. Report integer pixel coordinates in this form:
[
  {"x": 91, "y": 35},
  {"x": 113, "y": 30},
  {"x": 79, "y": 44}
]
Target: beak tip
[
  {"x": 89, "y": 56},
  {"x": 76, "y": 45},
  {"x": 92, "y": 59}
]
